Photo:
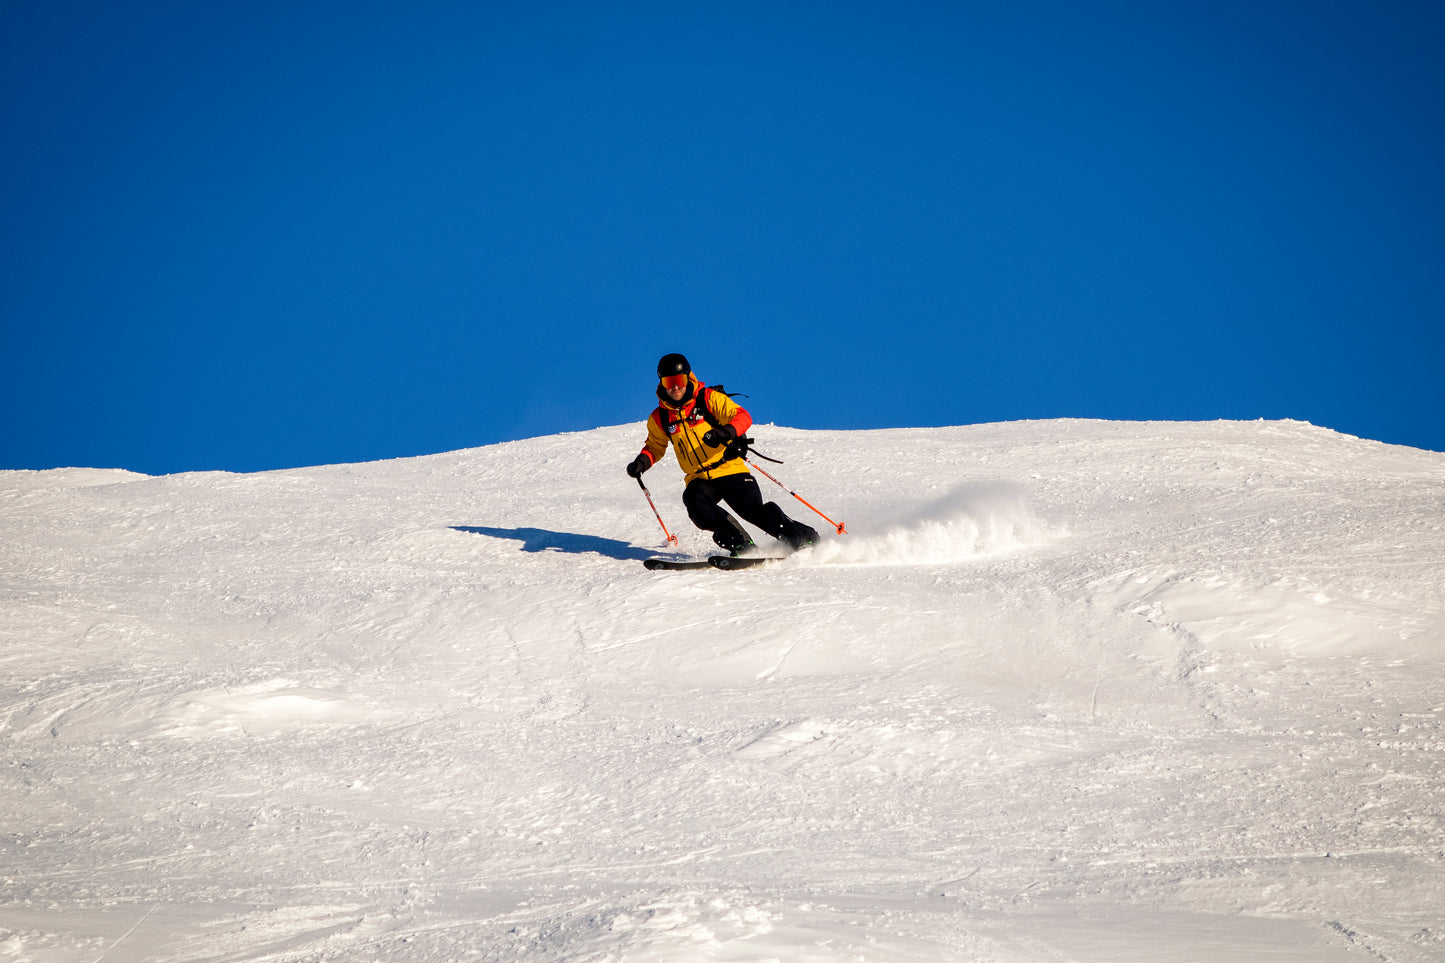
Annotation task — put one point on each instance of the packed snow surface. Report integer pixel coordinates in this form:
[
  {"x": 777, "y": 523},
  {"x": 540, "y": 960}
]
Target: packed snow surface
[{"x": 1067, "y": 690}]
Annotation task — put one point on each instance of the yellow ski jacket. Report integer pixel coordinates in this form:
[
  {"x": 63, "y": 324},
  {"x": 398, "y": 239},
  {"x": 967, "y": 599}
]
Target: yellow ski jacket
[{"x": 683, "y": 424}]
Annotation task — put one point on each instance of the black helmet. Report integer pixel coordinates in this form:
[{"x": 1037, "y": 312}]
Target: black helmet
[{"x": 673, "y": 364}]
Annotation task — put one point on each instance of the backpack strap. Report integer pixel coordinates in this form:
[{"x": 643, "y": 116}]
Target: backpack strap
[{"x": 706, "y": 411}]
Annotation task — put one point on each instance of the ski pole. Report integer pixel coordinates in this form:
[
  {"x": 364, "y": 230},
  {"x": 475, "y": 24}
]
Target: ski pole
[
  {"x": 837, "y": 525},
  {"x": 671, "y": 538}
]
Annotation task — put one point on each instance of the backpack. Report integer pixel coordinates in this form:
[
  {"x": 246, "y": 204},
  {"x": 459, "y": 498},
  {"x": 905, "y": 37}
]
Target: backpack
[
  {"x": 740, "y": 446},
  {"x": 665, "y": 414}
]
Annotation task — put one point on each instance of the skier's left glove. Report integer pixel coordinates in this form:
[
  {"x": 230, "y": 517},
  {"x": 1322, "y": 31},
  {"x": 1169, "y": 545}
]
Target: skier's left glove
[{"x": 720, "y": 436}]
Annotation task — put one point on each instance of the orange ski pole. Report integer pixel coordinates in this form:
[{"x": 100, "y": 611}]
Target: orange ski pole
[
  {"x": 837, "y": 525},
  {"x": 671, "y": 538}
]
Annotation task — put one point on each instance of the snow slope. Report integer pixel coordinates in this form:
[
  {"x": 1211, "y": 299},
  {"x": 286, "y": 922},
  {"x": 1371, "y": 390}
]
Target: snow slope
[{"x": 1067, "y": 690}]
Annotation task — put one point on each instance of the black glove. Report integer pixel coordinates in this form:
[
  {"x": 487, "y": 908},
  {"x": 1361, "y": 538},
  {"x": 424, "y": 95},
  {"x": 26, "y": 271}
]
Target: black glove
[
  {"x": 639, "y": 465},
  {"x": 717, "y": 437}
]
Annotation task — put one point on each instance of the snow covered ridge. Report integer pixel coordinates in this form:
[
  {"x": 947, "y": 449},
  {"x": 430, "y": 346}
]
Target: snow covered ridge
[{"x": 1068, "y": 690}]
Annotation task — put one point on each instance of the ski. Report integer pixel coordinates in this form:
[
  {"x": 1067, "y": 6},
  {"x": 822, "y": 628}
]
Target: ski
[
  {"x": 730, "y": 563},
  {"x": 674, "y": 565},
  {"x": 727, "y": 563}
]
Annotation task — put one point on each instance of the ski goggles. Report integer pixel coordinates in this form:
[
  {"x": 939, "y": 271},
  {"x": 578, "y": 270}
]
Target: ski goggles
[{"x": 674, "y": 381}]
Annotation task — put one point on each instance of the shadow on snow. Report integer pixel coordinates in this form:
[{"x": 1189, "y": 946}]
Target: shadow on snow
[{"x": 542, "y": 540}]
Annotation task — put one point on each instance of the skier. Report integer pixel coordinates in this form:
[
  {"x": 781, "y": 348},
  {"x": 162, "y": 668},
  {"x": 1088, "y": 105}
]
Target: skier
[{"x": 704, "y": 425}]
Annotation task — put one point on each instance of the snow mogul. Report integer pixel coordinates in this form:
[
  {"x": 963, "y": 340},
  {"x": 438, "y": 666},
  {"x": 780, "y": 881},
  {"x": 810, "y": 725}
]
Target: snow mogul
[{"x": 708, "y": 431}]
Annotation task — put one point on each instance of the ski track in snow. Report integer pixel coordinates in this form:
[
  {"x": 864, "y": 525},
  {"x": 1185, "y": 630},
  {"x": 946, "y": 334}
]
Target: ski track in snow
[{"x": 1068, "y": 690}]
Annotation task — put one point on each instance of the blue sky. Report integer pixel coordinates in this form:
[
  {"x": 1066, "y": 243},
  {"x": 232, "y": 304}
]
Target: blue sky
[{"x": 258, "y": 235}]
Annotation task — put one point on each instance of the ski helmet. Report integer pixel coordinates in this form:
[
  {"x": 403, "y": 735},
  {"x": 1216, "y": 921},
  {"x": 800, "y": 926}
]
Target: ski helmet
[{"x": 673, "y": 364}]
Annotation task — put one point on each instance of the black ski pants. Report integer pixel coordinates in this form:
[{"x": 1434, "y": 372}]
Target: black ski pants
[{"x": 740, "y": 491}]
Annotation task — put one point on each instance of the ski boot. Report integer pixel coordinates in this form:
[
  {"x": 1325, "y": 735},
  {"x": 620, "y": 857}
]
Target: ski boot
[
  {"x": 733, "y": 539},
  {"x": 798, "y": 536}
]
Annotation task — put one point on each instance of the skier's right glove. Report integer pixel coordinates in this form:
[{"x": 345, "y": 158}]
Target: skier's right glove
[{"x": 639, "y": 465}]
